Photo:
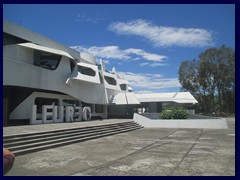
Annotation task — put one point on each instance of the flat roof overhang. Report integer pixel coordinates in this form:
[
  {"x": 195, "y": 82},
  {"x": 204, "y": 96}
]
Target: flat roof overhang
[
  {"x": 46, "y": 49},
  {"x": 14, "y": 34},
  {"x": 10, "y": 39},
  {"x": 125, "y": 98},
  {"x": 178, "y": 97}
]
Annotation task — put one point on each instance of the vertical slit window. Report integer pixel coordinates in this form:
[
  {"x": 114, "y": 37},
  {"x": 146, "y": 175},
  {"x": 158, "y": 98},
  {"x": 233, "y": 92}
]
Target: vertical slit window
[{"x": 123, "y": 87}]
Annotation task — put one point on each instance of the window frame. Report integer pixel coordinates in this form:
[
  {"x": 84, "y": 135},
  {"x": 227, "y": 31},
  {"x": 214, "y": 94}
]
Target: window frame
[
  {"x": 109, "y": 82},
  {"x": 40, "y": 56},
  {"x": 83, "y": 72}
]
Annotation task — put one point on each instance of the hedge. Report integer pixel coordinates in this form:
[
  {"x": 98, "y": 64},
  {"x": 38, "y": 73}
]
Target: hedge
[{"x": 176, "y": 113}]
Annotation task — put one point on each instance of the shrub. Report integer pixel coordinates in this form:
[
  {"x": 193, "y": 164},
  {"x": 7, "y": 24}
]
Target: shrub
[
  {"x": 176, "y": 113},
  {"x": 166, "y": 114},
  {"x": 179, "y": 113}
]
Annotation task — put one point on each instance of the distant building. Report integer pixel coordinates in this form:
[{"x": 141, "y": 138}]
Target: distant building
[{"x": 47, "y": 82}]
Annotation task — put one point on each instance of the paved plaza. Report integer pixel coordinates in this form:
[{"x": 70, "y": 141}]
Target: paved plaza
[{"x": 143, "y": 152}]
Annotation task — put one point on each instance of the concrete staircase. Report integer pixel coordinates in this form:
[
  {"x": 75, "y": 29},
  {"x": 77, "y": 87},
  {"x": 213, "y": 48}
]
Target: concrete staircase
[{"x": 21, "y": 144}]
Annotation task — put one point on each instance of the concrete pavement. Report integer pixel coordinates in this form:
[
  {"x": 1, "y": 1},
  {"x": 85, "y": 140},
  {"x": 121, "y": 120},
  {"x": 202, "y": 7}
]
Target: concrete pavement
[{"x": 143, "y": 152}]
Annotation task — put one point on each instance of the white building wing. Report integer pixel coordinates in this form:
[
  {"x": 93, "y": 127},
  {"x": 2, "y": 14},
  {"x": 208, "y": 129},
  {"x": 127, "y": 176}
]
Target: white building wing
[
  {"x": 178, "y": 97},
  {"x": 125, "y": 98}
]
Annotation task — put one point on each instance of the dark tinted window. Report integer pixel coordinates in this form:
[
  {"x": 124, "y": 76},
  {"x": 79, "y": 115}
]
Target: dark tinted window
[
  {"x": 123, "y": 87},
  {"x": 98, "y": 108},
  {"x": 86, "y": 71},
  {"x": 46, "y": 60},
  {"x": 110, "y": 80}
]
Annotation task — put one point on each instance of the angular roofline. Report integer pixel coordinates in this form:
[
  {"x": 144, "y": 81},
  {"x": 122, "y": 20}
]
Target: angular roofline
[{"x": 19, "y": 32}]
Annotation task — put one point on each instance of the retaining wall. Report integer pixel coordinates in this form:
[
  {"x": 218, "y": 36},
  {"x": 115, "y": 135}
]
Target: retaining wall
[{"x": 219, "y": 123}]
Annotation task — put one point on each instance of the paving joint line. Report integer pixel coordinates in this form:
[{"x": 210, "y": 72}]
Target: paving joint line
[
  {"x": 178, "y": 164},
  {"x": 135, "y": 152}
]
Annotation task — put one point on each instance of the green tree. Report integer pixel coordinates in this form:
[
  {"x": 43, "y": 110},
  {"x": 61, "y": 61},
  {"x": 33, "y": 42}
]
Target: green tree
[
  {"x": 217, "y": 74},
  {"x": 211, "y": 77},
  {"x": 188, "y": 78},
  {"x": 207, "y": 76}
]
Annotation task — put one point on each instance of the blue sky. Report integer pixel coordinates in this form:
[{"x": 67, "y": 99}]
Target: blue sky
[{"x": 144, "y": 42}]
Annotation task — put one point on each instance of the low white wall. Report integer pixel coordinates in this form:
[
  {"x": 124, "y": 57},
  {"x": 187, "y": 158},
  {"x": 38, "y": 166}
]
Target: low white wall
[{"x": 180, "y": 123}]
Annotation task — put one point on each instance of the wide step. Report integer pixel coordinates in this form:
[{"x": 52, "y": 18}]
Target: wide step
[{"x": 31, "y": 142}]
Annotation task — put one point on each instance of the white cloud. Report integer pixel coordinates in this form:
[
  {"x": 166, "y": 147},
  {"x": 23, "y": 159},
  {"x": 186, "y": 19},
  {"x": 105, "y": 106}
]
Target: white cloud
[
  {"x": 152, "y": 64},
  {"x": 157, "y": 64},
  {"x": 105, "y": 61},
  {"x": 162, "y": 36},
  {"x": 144, "y": 64},
  {"x": 84, "y": 17},
  {"x": 145, "y": 55},
  {"x": 114, "y": 52},
  {"x": 150, "y": 82},
  {"x": 108, "y": 52}
]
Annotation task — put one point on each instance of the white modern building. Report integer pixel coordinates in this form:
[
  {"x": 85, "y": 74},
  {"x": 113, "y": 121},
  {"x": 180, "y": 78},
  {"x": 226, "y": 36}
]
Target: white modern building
[{"x": 47, "y": 82}]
